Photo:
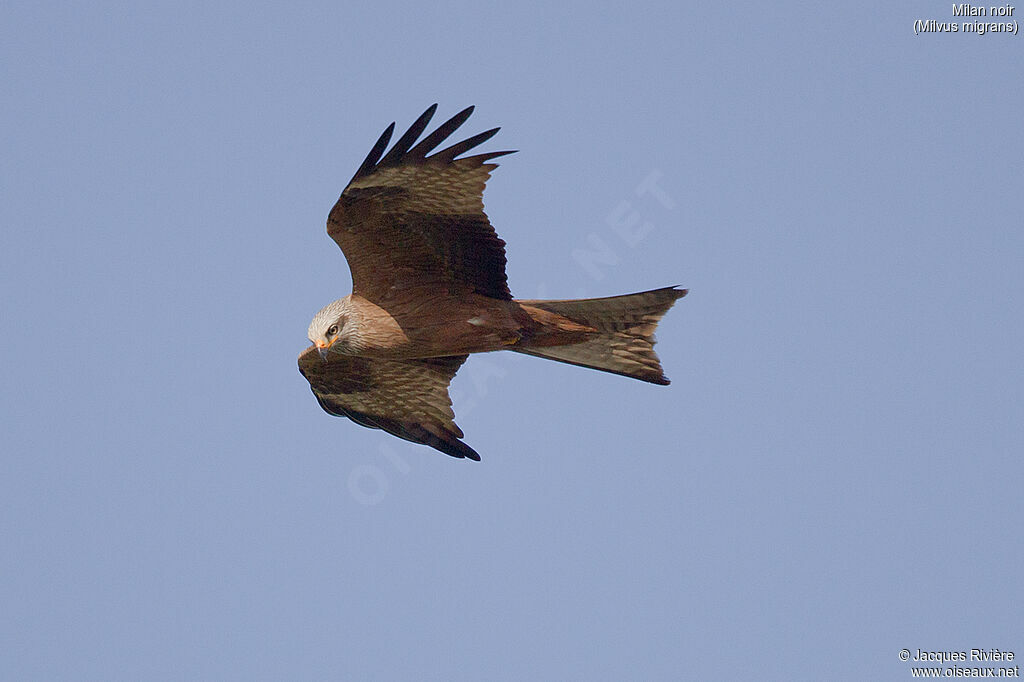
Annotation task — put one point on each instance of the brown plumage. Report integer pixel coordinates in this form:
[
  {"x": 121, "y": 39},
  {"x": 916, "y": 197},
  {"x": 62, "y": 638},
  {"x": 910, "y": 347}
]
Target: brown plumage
[{"x": 429, "y": 288}]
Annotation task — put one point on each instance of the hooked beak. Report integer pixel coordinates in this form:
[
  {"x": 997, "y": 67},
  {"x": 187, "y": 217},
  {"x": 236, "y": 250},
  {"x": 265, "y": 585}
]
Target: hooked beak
[{"x": 323, "y": 349}]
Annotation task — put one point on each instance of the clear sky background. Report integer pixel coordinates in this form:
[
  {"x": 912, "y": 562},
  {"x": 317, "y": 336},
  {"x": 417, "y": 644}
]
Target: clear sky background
[{"x": 834, "y": 474}]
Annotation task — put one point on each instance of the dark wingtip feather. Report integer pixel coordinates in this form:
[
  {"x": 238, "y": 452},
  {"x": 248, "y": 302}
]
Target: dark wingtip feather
[
  {"x": 435, "y": 138},
  {"x": 482, "y": 158},
  {"x": 370, "y": 162},
  {"x": 448, "y": 155},
  {"x": 464, "y": 451},
  {"x": 446, "y": 441},
  {"x": 410, "y": 135},
  {"x": 673, "y": 291}
]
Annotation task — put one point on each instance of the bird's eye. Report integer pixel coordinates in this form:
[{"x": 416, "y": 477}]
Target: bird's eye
[{"x": 332, "y": 330}]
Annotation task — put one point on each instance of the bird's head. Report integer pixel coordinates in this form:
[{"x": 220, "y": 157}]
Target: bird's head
[{"x": 327, "y": 330}]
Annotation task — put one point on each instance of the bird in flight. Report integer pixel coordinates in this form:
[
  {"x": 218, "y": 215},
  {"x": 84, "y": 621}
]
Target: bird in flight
[{"x": 429, "y": 289}]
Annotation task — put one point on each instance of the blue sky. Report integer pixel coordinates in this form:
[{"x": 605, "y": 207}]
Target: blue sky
[{"x": 834, "y": 474}]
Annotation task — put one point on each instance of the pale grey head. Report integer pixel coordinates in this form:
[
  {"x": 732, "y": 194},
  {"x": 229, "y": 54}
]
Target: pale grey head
[{"x": 328, "y": 325}]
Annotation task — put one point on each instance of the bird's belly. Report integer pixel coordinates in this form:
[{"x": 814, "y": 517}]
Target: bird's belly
[
  {"x": 474, "y": 327},
  {"x": 443, "y": 339}
]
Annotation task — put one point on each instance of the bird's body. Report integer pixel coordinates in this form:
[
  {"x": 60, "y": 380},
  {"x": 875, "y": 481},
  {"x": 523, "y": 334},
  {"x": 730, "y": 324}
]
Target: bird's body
[
  {"x": 476, "y": 324},
  {"x": 429, "y": 289}
]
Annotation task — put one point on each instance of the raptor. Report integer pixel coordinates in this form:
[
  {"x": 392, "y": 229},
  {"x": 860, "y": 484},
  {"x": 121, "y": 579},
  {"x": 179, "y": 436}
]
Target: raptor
[{"x": 429, "y": 289}]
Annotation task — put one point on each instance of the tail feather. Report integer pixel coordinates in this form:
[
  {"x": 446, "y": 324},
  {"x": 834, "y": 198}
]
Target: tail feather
[{"x": 624, "y": 342}]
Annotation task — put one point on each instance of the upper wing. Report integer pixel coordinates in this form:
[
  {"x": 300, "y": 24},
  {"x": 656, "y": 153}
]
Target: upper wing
[
  {"x": 407, "y": 220},
  {"x": 406, "y": 398}
]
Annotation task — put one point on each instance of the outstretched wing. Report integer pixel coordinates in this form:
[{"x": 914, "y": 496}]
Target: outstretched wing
[
  {"x": 407, "y": 220},
  {"x": 406, "y": 398}
]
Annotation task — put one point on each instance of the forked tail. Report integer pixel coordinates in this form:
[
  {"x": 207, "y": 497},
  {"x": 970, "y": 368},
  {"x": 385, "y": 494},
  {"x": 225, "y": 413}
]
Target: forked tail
[{"x": 621, "y": 337}]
